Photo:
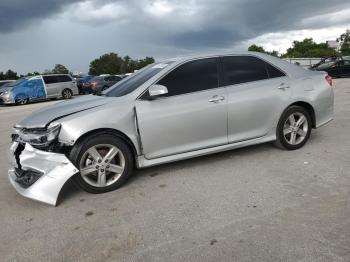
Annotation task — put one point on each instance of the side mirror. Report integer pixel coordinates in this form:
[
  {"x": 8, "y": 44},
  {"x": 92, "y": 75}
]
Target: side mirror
[{"x": 157, "y": 90}]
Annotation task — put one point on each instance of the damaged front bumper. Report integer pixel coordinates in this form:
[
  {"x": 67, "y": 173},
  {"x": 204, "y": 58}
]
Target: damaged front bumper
[{"x": 37, "y": 174}]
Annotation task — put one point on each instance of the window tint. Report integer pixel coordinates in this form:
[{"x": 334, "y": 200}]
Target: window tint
[
  {"x": 114, "y": 78},
  {"x": 346, "y": 62},
  {"x": 242, "y": 69},
  {"x": 191, "y": 77},
  {"x": 273, "y": 71},
  {"x": 56, "y": 79},
  {"x": 50, "y": 79},
  {"x": 64, "y": 78}
]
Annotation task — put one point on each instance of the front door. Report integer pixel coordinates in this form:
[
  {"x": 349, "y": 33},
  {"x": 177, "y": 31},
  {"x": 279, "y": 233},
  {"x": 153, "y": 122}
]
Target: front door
[{"x": 192, "y": 116}]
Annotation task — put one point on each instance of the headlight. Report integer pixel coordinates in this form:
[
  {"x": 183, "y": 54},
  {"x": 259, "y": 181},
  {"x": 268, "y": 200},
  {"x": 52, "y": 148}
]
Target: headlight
[{"x": 39, "y": 137}]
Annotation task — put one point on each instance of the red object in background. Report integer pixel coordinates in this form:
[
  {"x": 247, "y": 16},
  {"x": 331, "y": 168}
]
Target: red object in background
[{"x": 329, "y": 80}]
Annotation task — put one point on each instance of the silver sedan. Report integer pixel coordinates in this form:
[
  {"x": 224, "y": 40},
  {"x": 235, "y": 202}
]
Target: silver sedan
[{"x": 172, "y": 110}]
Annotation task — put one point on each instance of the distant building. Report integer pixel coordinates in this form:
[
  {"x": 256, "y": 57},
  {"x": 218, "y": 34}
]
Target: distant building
[{"x": 333, "y": 44}]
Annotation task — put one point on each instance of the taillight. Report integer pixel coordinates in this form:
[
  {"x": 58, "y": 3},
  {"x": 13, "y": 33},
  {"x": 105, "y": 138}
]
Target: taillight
[
  {"x": 329, "y": 80},
  {"x": 93, "y": 84}
]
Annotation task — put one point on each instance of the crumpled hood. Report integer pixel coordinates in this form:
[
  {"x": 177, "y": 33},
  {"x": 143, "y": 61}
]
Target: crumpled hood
[{"x": 43, "y": 117}]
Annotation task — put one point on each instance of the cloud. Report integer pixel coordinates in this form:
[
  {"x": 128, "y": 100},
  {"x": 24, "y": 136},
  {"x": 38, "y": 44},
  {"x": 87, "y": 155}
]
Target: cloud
[
  {"x": 16, "y": 14},
  {"x": 85, "y": 29}
]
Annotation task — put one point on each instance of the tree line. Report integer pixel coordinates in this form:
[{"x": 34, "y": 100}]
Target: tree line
[
  {"x": 308, "y": 48},
  {"x": 110, "y": 63}
]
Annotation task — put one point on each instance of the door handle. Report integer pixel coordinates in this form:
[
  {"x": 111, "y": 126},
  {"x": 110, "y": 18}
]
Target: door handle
[
  {"x": 283, "y": 86},
  {"x": 216, "y": 99}
]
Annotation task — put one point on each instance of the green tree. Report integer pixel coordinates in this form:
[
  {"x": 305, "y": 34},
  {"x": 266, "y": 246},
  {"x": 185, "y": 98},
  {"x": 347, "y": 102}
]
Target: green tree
[
  {"x": 113, "y": 64},
  {"x": 60, "y": 69},
  {"x": 10, "y": 75},
  {"x": 106, "y": 64},
  {"x": 143, "y": 62},
  {"x": 260, "y": 49},
  {"x": 308, "y": 48},
  {"x": 256, "y": 48},
  {"x": 344, "y": 40}
]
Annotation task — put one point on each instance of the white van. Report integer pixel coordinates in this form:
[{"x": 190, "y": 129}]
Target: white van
[{"x": 39, "y": 87}]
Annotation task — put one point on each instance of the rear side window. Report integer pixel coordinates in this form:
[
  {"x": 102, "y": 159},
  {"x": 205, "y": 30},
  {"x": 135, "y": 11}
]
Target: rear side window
[
  {"x": 56, "y": 79},
  {"x": 243, "y": 69},
  {"x": 114, "y": 78},
  {"x": 63, "y": 78},
  {"x": 273, "y": 71},
  {"x": 50, "y": 79},
  {"x": 192, "y": 77}
]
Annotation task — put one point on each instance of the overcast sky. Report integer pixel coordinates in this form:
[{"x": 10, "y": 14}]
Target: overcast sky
[{"x": 36, "y": 34}]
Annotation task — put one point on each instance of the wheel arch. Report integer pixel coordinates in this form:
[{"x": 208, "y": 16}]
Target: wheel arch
[
  {"x": 67, "y": 88},
  {"x": 309, "y": 109},
  {"x": 113, "y": 132}
]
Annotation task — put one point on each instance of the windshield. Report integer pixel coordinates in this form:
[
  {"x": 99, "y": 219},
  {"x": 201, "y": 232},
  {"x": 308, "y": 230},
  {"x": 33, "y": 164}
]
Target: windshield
[{"x": 132, "y": 82}]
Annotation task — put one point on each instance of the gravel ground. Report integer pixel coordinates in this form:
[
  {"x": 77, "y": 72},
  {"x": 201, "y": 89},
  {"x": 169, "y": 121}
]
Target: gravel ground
[{"x": 253, "y": 204}]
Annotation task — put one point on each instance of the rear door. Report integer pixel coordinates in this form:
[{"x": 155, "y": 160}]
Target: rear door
[
  {"x": 51, "y": 85},
  {"x": 257, "y": 94},
  {"x": 192, "y": 116},
  {"x": 66, "y": 82}
]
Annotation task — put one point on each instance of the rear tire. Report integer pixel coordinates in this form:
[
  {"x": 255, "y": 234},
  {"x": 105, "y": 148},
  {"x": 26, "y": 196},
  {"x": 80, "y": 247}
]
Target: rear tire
[
  {"x": 105, "y": 162},
  {"x": 67, "y": 93},
  {"x": 294, "y": 128}
]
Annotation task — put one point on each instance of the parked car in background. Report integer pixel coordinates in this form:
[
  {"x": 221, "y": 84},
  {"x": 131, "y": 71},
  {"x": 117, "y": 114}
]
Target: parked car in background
[
  {"x": 98, "y": 84},
  {"x": 81, "y": 81},
  {"x": 172, "y": 110},
  {"x": 338, "y": 68},
  {"x": 39, "y": 87},
  {"x": 4, "y": 82}
]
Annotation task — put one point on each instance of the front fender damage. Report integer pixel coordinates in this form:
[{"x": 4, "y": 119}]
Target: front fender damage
[{"x": 37, "y": 174}]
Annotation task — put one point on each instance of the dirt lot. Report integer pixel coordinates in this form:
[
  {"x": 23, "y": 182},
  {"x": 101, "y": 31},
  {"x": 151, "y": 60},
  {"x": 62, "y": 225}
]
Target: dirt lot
[{"x": 252, "y": 204}]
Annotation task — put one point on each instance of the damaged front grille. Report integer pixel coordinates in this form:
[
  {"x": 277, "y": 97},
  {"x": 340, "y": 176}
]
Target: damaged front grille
[
  {"x": 26, "y": 178},
  {"x": 14, "y": 137}
]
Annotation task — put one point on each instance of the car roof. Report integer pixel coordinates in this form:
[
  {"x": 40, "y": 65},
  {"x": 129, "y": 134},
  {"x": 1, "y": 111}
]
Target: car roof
[
  {"x": 289, "y": 68},
  {"x": 55, "y": 75}
]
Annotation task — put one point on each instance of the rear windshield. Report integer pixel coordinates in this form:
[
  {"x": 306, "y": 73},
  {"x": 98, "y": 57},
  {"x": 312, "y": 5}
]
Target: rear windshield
[{"x": 132, "y": 82}]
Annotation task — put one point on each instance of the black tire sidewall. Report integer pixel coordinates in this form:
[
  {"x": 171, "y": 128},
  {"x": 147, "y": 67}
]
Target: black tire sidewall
[
  {"x": 280, "y": 137},
  {"x": 70, "y": 92},
  {"x": 102, "y": 138}
]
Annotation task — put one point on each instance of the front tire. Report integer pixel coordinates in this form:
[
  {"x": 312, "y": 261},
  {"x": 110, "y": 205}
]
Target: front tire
[
  {"x": 21, "y": 100},
  {"x": 105, "y": 163},
  {"x": 294, "y": 128}
]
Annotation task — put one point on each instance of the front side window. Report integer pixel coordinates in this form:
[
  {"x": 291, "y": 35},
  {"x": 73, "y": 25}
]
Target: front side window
[
  {"x": 243, "y": 69},
  {"x": 192, "y": 77}
]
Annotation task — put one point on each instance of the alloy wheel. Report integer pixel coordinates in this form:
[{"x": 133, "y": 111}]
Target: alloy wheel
[
  {"x": 295, "y": 128},
  {"x": 67, "y": 94},
  {"x": 102, "y": 165}
]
